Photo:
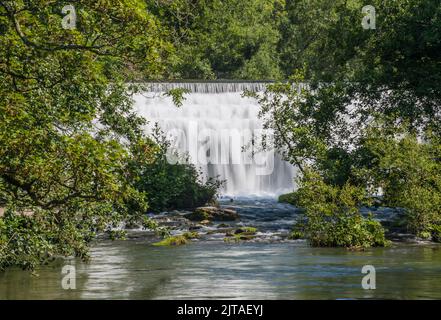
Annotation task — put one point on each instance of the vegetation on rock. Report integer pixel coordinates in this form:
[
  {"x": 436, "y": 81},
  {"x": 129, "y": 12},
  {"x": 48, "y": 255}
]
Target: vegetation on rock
[{"x": 212, "y": 214}]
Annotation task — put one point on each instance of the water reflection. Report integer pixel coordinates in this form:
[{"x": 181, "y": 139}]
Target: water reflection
[
  {"x": 215, "y": 270},
  {"x": 135, "y": 270}
]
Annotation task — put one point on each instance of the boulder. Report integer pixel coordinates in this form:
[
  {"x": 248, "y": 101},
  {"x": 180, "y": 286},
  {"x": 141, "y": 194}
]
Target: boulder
[{"x": 212, "y": 214}]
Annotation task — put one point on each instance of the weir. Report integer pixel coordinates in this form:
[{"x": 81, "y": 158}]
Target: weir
[{"x": 212, "y": 126}]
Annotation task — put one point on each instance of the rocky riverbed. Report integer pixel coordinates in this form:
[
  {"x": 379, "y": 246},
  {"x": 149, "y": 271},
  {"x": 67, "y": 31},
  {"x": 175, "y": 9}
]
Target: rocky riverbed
[
  {"x": 267, "y": 266},
  {"x": 244, "y": 220}
]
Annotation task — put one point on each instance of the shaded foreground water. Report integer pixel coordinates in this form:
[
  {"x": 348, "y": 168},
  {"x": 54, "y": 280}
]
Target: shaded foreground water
[{"x": 212, "y": 269}]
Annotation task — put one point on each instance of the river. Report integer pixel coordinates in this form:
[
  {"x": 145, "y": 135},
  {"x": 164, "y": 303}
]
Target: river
[{"x": 267, "y": 268}]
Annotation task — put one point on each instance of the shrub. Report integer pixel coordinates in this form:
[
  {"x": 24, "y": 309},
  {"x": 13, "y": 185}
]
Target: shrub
[
  {"x": 171, "y": 186},
  {"x": 333, "y": 218},
  {"x": 408, "y": 171},
  {"x": 290, "y": 198}
]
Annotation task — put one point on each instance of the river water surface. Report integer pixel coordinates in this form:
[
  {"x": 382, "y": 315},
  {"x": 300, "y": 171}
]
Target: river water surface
[{"x": 211, "y": 269}]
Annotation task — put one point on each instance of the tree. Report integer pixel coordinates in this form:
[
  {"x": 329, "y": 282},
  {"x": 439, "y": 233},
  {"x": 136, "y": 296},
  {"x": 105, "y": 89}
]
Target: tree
[
  {"x": 387, "y": 77},
  {"x": 392, "y": 70},
  {"x": 408, "y": 171},
  {"x": 66, "y": 122},
  {"x": 231, "y": 39}
]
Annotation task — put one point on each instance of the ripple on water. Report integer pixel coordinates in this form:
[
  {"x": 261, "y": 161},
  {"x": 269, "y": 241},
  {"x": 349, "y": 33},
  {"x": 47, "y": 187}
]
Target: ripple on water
[{"x": 215, "y": 270}]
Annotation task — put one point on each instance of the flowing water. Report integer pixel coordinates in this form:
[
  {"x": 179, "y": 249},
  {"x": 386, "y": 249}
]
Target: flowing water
[
  {"x": 269, "y": 267},
  {"x": 212, "y": 126},
  {"x": 212, "y": 269}
]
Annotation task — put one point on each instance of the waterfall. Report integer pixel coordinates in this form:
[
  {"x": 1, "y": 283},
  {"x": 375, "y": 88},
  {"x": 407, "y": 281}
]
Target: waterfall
[
  {"x": 212, "y": 126},
  {"x": 207, "y": 87}
]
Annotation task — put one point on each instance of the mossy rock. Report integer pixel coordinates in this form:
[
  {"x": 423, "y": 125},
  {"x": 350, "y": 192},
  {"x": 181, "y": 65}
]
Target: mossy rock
[
  {"x": 172, "y": 241},
  {"x": 195, "y": 227},
  {"x": 198, "y": 215},
  {"x": 241, "y": 234},
  {"x": 212, "y": 214},
  {"x": 223, "y": 230},
  {"x": 178, "y": 240},
  {"x": 239, "y": 237},
  {"x": 246, "y": 231},
  {"x": 241, "y": 231},
  {"x": 191, "y": 235}
]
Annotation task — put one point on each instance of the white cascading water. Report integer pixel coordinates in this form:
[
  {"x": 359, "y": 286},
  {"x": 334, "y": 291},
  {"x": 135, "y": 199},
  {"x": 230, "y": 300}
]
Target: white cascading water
[{"x": 212, "y": 126}]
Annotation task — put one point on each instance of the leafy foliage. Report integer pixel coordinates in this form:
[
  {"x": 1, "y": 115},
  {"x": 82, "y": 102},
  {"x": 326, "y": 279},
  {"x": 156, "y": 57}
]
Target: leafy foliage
[
  {"x": 171, "y": 182},
  {"x": 408, "y": 171},
  {"x": 369, "y": 117},
  {"x": 333, "y": 216},
  {"x": 66, "y": 123},
  {"x": 217, "y": 39}
]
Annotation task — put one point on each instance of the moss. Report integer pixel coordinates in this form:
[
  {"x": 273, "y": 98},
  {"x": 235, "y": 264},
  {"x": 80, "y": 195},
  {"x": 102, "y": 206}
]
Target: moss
[
  {"x": 246, "y": 231},
  {"x": 425, "y": 235},
  {"x": 191, "y": 235},
  {"x": 241, "y": 234},
  {"x": 239, "y": 237},
  {"x": 198, "y": 215},
  {"x": 172, "y": 241},
  {"x": 178, "y": 240}
]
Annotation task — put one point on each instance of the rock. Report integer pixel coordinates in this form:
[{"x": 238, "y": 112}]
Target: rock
[
  {"x": 212, "y": 214},
  {"x": 240, "y": 234},
  {"x": 195, "y": 227},
  {"x": 205, "y": 222},
  {"x": 191, "y": 235},
  {"x": 172, "y": 241},
  {"x": 27, "y": 213},
  {"x": 238, "y": 238},
  {"x": 246, "y": 231},
  {"x": 223, "y": 225}
]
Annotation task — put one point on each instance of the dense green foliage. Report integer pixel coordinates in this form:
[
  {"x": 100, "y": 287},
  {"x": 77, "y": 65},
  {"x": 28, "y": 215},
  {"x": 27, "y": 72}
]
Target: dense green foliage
[
  {"x": 409, "y": 174},
  {"x": 333, "y": 214},
  {"x": 217, "y": 39},
  {"x": 290, "y": 198},
  {"x": 369, "y": 117},
  {"x": 171, "y": 185},
  {"x": 74, "y": 160},
  {"x": 68, "y": 134}
]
